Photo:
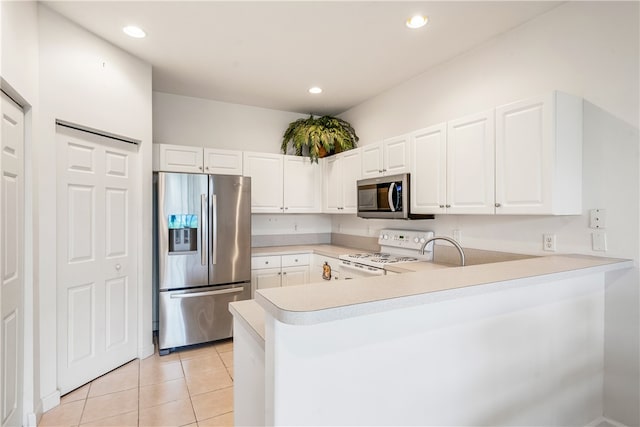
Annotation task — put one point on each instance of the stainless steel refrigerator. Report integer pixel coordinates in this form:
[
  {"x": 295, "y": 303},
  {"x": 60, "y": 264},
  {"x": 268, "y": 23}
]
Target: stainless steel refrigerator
[{"x": 204, "y": 255}]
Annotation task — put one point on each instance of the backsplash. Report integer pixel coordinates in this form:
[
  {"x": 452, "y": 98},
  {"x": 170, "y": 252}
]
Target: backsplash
[{"x": 263, "y": 240}]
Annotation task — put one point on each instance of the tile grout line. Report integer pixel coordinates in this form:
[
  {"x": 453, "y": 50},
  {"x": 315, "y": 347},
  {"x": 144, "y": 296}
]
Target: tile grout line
[{"x": 186, "y": 384}]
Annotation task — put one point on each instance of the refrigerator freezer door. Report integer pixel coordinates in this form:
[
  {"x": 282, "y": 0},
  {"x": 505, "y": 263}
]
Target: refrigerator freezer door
[
  {"x": 229, "y": 229},
  {"x": 182, "y": 230},
  {"x": 198, "y": 315}
]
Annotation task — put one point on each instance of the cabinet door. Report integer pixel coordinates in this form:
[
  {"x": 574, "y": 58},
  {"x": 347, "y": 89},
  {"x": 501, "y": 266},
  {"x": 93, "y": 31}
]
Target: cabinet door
[
  {"x": 372, "y": 160},
  {"x": 539, "y": 156},
  {"x": 223, "y": 162},
  {"x": 302, "y": 185},
  {"x": 265, "y": 171},
  {"x": 265, "y": 278},
  {"x": 332, "y": 189},
  {"x": 292, "y": 276},
  {"x": 351, "y": 167},
  {"x": 470, "y": 164},
  {"x": 396, "y": 155},
  {"x": 429, "y": 170},
  {"x": 178, "y": 158}
]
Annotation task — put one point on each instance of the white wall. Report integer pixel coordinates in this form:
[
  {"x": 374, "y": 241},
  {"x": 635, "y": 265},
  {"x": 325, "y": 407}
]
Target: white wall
[
  {"x": 184, "y": 120},
  {"x": 87, "y": 81},
  {"x": 589, "y": 49},
  {"x": 19, "y": 73}
]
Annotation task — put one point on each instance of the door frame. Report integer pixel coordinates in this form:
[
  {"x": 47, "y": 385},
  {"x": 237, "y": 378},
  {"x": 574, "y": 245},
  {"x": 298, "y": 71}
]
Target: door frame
[{"x": 29, "y": 397}]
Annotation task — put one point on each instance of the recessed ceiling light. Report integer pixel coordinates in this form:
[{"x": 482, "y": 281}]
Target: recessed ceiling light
[
  {"x": 133, "y": 31},
  {"x": 417, "y": 21},
  {"x": 315, "y": 90}
]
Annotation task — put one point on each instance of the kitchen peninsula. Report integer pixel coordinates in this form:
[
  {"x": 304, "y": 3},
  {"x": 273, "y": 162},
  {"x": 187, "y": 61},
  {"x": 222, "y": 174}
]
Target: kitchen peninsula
[{"x": 515, "y": 342}]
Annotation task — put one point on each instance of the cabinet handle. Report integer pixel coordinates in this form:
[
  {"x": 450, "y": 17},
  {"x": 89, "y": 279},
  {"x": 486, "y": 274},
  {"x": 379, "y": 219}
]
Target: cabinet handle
[
  {"x": 379, "y": 170},
  {"x": 498, "y": 205},
  {"x": 281, "y": 208},
  {"x": 441, "y": 206},
  {"x": 279, "y": 273},
  {"x": 384, "y": 170},
  {"x": 284, "y": 272},
  {"x": 295, "y": 260},
  {"x": 266, "y": 262},
  {"x": 286, "y": 208},
  {"x": 200, "y": 167},
  {"x": 448, "y": 206}
]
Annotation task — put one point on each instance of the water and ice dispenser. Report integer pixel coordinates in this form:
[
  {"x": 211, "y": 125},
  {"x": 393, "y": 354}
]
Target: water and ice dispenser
[{"x": 183, "y": 233}]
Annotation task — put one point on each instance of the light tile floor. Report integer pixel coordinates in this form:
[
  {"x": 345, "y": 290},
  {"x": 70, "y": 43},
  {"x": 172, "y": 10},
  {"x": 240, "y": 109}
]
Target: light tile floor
[{"x": 192, "y": 387}]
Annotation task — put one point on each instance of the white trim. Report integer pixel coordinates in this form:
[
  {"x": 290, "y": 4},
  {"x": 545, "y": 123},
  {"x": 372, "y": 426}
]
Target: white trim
[
  {"x": 31, "y": 420},
  {"x": 600, "y": 420},
  {"x": 50, "y": 401}
]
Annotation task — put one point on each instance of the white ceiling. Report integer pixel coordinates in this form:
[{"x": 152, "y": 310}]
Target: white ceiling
[{"x": 268, "y": 54}]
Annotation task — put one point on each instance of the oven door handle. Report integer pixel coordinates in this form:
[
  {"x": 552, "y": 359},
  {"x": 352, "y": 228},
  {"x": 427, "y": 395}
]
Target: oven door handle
[
  {"x": 392, "y": 205},
  {"x": 373, "y": 272}
]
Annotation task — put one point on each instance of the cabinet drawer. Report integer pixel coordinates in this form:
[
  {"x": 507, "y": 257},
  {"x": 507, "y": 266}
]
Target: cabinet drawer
[
  {"x": 295, "y": 259},
  {"x": 265, "y": 262}
]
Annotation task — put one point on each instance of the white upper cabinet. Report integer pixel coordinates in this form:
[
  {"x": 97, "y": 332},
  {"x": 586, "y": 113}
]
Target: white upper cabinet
[
  {"x": 396, "y": 155},
  {"x": 388, "y": 157},
  {"x": 372, "y": 160},
  {"x": 539, "y": 156},
  {"x": 302, "y": 185},
  {"x": 429, "y": 170},
  {"x": 266, "y": 172},
  {"x": 182, "y": 158},
  {"x": 279, "y": 183},
  {"x": 177, "y": 158},
  {"x": 223, "y": 162},
  {"x": 341, "y": 172},
  {"x": 470, "y": 164}
]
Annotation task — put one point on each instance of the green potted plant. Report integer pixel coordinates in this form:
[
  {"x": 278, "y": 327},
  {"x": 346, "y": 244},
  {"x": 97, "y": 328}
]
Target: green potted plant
[{"x": 318, "y": 137}]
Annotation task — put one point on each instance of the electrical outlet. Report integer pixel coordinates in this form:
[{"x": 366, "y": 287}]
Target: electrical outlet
[{"x": 549, "y": 242}]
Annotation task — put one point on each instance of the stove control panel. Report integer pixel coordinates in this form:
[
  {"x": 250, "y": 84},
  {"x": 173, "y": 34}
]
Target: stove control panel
[{"x": 407, "y": 239}]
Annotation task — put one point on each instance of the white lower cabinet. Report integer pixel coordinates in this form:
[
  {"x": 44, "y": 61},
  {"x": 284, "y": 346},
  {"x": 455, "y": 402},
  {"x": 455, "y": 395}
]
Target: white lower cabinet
[{"x": 274, "y": 271}]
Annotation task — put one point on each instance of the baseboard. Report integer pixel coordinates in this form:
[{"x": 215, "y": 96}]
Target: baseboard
[
  {"x": 51, "y": 401},
  {"x": 601, "y": 420},
  {"x": 31, "y": 420},
  {"x": 146, "y": 351}
]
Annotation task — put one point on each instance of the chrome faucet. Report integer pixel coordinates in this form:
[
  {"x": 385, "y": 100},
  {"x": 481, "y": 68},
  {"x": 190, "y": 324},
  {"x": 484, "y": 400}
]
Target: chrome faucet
[{"x": 448, "y": 239}]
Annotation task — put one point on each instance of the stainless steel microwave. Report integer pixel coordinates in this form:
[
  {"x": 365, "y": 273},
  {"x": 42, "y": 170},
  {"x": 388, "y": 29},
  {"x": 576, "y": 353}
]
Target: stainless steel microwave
[{"x": 386, "y": 197}]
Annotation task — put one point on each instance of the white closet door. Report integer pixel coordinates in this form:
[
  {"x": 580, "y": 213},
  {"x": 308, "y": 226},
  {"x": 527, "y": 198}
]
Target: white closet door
[
  {"x": 11, "y": 262},
  {"x": 97, "y": 267}
]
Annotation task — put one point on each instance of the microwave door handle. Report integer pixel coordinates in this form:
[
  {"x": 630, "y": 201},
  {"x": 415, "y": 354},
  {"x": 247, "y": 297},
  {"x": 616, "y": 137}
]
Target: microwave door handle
[
  {"x": 392, "y": 205},
  {"x": 203, "y": 232}
]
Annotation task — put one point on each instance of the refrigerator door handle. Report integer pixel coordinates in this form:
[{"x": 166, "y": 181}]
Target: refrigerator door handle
[
  {"x": 214, "y": 229},
  {"x": 203, "y": 234},
  {"x": 208, "y": 293}
]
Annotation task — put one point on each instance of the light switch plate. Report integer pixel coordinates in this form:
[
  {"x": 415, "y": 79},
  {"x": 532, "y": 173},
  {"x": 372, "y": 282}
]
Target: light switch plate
[{"x": 599, "y": 240}]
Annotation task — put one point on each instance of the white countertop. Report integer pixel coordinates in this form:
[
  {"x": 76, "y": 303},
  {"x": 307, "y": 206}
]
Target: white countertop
[{"x": 329, "y": 301}]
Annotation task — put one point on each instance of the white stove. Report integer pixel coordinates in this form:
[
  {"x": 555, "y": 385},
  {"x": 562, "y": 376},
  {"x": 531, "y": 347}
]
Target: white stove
[{"x": 396, "y": 247}]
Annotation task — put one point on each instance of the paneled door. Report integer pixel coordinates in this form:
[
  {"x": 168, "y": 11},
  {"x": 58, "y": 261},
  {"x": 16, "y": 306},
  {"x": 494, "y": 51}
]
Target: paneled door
[
  {"x": 97, "y": 269},
  {"x": 11, "y": 262}
]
